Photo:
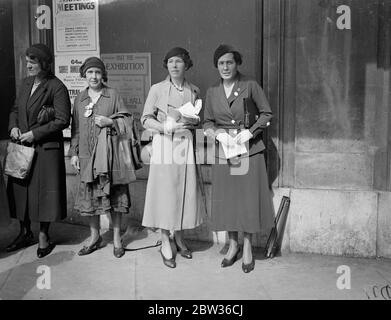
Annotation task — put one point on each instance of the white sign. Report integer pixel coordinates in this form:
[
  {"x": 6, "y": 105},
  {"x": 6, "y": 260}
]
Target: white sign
[
  {"x": 67, "y": 70},
  {"x": 76, "y": 26}
]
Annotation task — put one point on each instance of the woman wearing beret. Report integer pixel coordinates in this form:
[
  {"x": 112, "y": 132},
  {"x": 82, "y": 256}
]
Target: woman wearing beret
[
  {"x": 172, "y": 197},
  {"x": 42, "y": 196},
  {"x": 93, "y": 124},
  {"x": 238, "y": 198}
]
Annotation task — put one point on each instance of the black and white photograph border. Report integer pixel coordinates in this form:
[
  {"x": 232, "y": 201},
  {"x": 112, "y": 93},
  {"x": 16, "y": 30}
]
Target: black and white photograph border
[{"x": 303, "y": 213}]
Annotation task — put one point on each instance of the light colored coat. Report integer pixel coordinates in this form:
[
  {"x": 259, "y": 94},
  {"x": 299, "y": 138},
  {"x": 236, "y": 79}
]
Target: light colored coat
[{"x": 173, "y": 198}]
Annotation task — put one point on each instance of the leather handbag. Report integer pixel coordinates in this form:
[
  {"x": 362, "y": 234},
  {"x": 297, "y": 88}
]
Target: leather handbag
[
  {"x": 18, "y": 160},
  {"x": 251, "y": 112},
  {"x": 45, "y": 115}
]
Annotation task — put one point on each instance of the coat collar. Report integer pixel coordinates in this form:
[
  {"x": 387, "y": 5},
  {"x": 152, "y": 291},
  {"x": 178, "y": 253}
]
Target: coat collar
[
  {"x": 42, "y": 87},
  {"x": 84, "y": 93},
  {"x": 239, "y": 88},
  {"x": 190, "y": 93}
]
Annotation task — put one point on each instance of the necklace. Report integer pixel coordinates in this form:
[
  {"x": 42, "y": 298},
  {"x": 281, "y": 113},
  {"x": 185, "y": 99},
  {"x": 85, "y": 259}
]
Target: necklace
[{"x": 176, "y": 87}]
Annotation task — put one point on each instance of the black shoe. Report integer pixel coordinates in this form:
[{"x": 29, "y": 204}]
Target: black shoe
[
  {"x": 119, "y": 252},
  {"x": 90, "y": 249},
  {"x": 43, "y": 252},
  {"x": 229, "y": 262},
  {"x": 21, "y": 241},
  {"x": 168, "y": 262},
  {"x": 248, "y": 267},
  {"x": 186, "y": 253}
]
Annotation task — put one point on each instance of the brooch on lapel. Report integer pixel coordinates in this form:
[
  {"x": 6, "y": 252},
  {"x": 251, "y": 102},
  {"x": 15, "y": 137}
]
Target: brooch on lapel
[
  {"x": 236, "y": 92},
  {"x": 88, "y": 109}
]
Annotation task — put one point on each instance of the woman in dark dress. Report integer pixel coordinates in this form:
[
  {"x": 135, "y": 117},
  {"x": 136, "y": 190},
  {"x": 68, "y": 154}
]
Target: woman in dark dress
[
  {"x": 238, "y": 197},
  {"x": 92, "y": 124},
  {"x": 42, "y": 196}
]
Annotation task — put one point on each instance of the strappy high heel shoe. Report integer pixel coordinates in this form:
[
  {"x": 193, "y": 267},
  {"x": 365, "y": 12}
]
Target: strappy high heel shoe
[
  {"x": 229, "y": 262},
  {"x": 186, "y": 253},
  {"x": 248, "y": 267},
  {"x": 119, "y": 252},
  {"x": 21, "y": 241},
  {"x": 43, "y": 252},
  {"x": 168, "y": 262},
  {"x": 90, "y": 249}
]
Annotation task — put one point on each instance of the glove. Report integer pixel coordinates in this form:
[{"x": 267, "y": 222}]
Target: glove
[
  {"x": 243, "y": 136},
  {"x": 225, "y": 139}
]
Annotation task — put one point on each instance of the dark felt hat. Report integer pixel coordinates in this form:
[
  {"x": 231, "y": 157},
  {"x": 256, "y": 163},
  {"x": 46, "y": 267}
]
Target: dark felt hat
[
  {"x": 178, "y": 52},
  {"x": 93, "y": 62},
  {"x": 41, "y": 52},
  {"x": 222, "y": 49}
]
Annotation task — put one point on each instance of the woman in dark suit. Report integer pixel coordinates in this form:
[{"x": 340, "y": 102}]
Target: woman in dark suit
[
  {"x": 238, "y": 197},
  {"x": 42, "y": 196}
]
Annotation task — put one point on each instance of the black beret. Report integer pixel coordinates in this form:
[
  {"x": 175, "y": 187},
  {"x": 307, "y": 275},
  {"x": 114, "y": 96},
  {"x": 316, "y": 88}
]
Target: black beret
[
  {"x": 222, "y": 49},
  {"x": 177, "y": 51}
]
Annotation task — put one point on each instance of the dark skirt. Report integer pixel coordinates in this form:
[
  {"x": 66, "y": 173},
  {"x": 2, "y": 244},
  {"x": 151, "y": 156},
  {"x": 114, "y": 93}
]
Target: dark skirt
[
  {"x": 239, "y": 201},
  {"x": 43, "y": 194},
  {"x": 4, "y": 208}
]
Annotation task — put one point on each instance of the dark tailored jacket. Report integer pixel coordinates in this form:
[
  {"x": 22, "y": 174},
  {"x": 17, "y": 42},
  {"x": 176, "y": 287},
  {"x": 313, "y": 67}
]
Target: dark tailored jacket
[
  {"x": 223, "y": 113},
  {"x": 43, "y": 194}
]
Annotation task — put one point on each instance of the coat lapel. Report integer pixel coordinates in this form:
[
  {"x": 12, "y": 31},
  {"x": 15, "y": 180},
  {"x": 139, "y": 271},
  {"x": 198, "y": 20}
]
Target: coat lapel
[
  {"x": 162, "y": 102},
  {"x": 223, "y": 98},
  {"x": 25, "y": 94},
  {"x": 37, "y": 93},
  {"x": 238, "y": 90}
]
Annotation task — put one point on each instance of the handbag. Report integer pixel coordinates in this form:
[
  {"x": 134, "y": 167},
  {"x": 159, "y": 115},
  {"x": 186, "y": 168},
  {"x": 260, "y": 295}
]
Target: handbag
[
  {"x": 251, "y": 112},
  {"x": 18, "y": 160},
  {"x": 45, "y": 115}
]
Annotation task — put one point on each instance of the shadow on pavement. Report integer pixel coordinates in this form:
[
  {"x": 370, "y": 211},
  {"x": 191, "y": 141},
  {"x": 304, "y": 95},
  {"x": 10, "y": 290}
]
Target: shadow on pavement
[{"x": 18, "y": 281}]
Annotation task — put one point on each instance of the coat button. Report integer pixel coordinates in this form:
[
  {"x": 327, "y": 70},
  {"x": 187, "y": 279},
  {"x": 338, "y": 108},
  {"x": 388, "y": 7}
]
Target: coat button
[{"x": 233, "y": 121}]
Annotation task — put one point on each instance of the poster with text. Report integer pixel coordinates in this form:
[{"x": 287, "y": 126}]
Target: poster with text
[
  {"x": 130, "y": 74},
  {"x": 76, "y": 26},
  {"x": 67, "y": 70}
]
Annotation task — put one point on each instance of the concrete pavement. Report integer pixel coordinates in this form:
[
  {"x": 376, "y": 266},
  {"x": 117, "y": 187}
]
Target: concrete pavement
[{"x": 142, "y": 275}]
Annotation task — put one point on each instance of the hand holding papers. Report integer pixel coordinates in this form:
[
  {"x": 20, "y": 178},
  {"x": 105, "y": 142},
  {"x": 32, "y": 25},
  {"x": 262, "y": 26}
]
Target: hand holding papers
[
  {"x": 230, "y": 147},
  {"x": 243, "y": 137},
  {"x": 190, "y": 112}
]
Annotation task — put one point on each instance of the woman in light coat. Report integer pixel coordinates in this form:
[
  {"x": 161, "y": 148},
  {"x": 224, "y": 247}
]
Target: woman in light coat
[{"x": 172, "y": 200}]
